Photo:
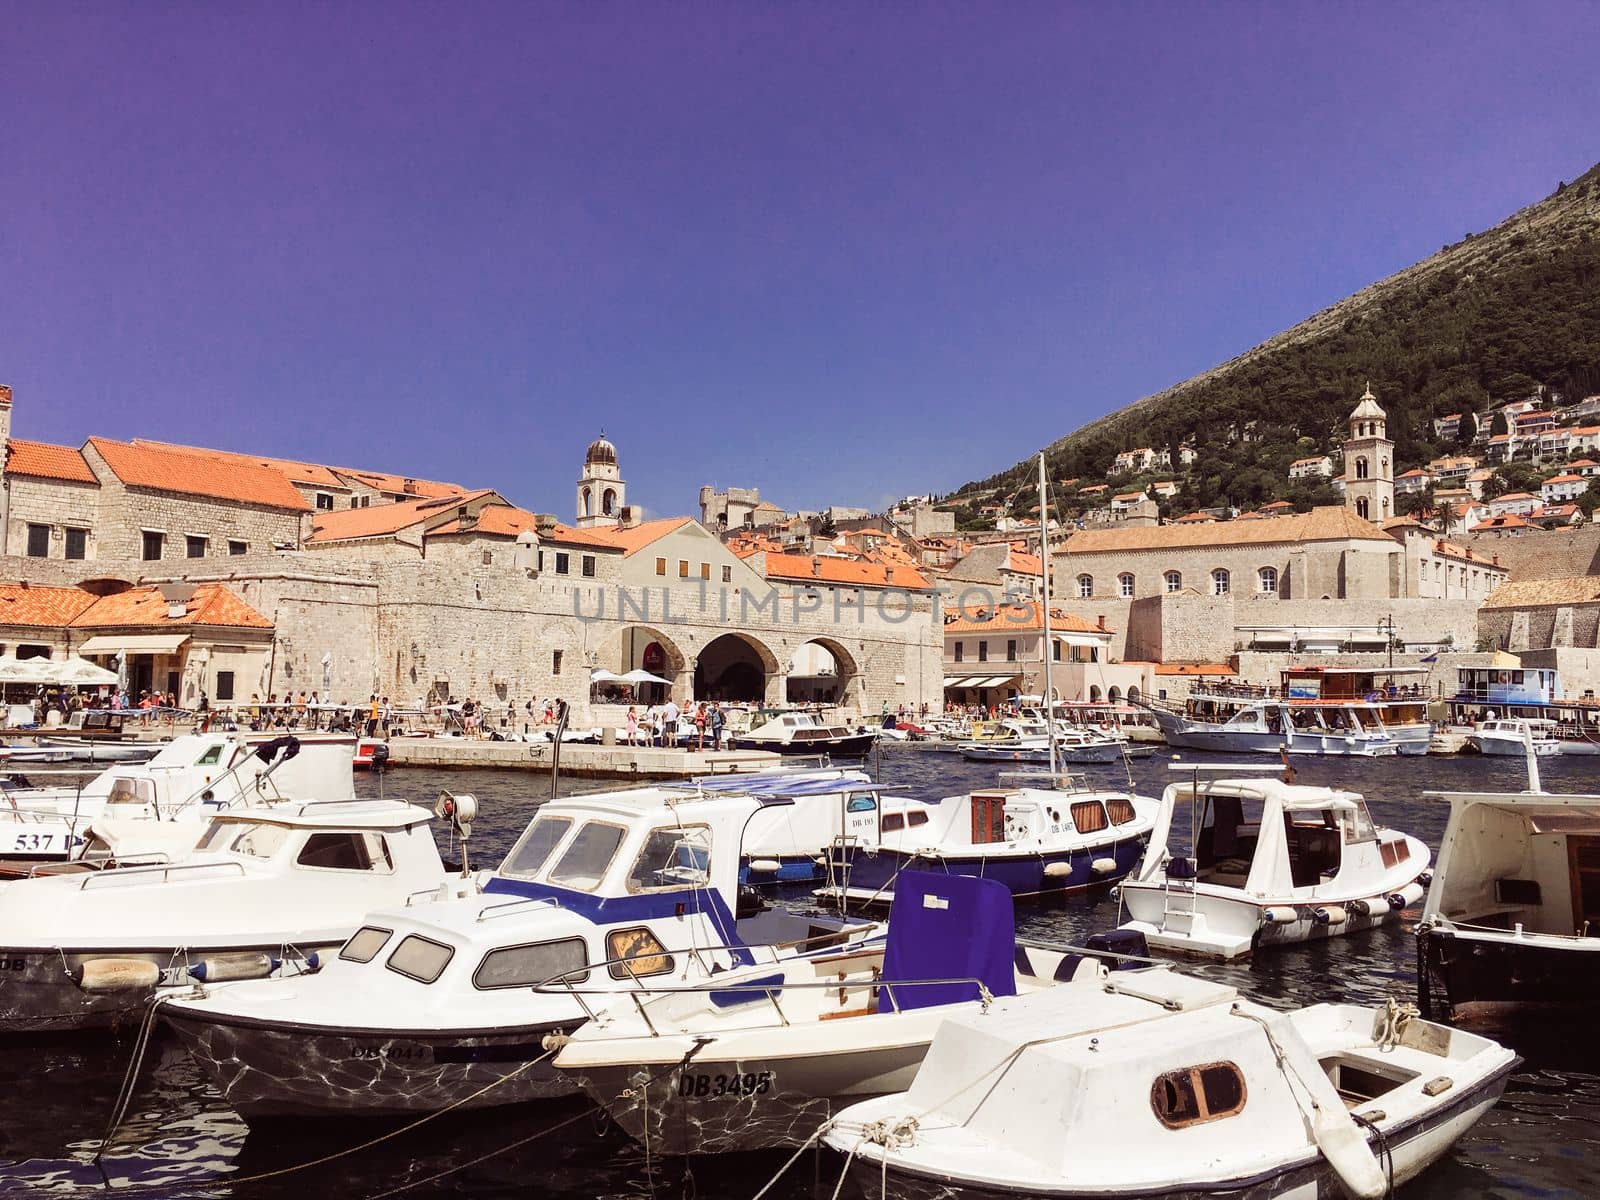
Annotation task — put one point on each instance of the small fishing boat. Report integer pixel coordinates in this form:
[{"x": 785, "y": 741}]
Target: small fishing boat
[
  {"x": 1159, "y": 1084},
  {"x": 372, "y": 754},
  {"x": 265, "y": 891},
  {"x": 1507, "y": 737},
  {"x": 1025, "y": 741},
  {"x": 760, "y": 1058},
  {"x": 1266, "y": 863},
  {"x": 1038, "y": 840},
  {"x": 429, "y": 1004},
  {"x": 803, "y": 733},
  {"x": 1513, "y": 916}
]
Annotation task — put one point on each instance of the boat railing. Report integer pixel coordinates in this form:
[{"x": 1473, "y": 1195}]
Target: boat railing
[
  {"x": 492, "y": 912},
  {"x": 1061, "y": 781},
  {"x": 145, "y": 872}
]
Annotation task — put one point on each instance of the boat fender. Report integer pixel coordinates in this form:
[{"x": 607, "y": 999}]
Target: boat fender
[
  {"x": 1375, "y": 908},
  {"x": 1409, "y": 895},
  {"x": 1426, "y": 880},
  {"x": 1329, "y": 914},
  {"x": 1346, "y": 1149},
  {"x": 1103, "y": 866},
  {"x": 224, "y": 968},
  {"x": 116, "y": 975},
  {"x": 1057, "y": 870},
  {"x": 764, "y": 865},
  {"x": 1279, "y": 916},
  {"x": 555, "y": 1041}
]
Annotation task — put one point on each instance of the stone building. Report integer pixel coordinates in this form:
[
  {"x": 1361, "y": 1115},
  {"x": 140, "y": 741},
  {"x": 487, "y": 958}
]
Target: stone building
[
  {"x": 1369, "y": 461},
  {"x": 602, "y": 495}
]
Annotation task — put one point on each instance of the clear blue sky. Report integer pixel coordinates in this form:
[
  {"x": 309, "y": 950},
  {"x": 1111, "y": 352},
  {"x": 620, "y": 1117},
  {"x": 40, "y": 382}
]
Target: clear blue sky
[{"x": 841, "y": 252}]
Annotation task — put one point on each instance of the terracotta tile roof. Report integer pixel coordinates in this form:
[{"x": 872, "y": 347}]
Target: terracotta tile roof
[
  {"x": 797, "y": 567},
  {"x": 1565, "y": 479},
  {"x": 1025, "y": 564},
  {"x": 1450, "y": 550},
  {"x": 1577, "y": 462},
  {"x": 382, "y": 481},
  {"x": 195, "y": 475},
  {"x": 1413, "y": 473},
  {"x": 1555, "y": 510},
  {"x": 1504, "y": 521},
  {"x": 381, "y": 520},
  {"x": 1300, "y": 462},
  {"x": 1276, "y": 504},
  {"x": 41, "y": 460},
  {"x": 1330, "y": 523},
  {"x": 631, "y": 541},
  {"x": 1122, "y": 496},
  {"x": 975, "y": 619},
  {"x": 1195, "y": 518},
  {"x": 1194, "y": 669},
  {"x": 1092, "y": 489},
  {"x": 1512, "y": 496},
  {"x": 298, "y": 472},
  {"x": 1531, "y": 593},
  {"x": 24, "y": 604},
  {"x": 1583, "y": 430},
  {"x": 212, "y": 604}
]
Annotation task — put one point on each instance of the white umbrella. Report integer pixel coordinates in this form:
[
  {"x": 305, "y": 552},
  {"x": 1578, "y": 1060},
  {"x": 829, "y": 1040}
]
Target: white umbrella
[
  {"x": 83, "y": 673},
  {"x": 601, "y": 675},
  {"x": 640, "y": 675},
  {"x": 25, "y": 670}
]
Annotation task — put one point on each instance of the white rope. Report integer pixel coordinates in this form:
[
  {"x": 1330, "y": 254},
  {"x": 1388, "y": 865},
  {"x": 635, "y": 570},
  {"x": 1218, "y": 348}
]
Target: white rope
[{"x": 1392, "y": 1023}]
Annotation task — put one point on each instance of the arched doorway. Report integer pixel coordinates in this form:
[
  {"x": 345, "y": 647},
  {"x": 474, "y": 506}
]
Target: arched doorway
[
  {"x": 641, "y": 648},
  {"x": 1114, "y": 695},
  {"x": 820, "y": 672},
  {"x": 1133, "y": 692},
  {"x": 1094, "y": 693},
  {"x": 733, "y": 667}
]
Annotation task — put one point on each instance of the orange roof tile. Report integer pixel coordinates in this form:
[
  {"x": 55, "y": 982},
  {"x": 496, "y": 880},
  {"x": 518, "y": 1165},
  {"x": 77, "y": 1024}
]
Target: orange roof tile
[
  {"x": 1581, "y": 589},
  {"x": 379, "y": 520},
  {"x": 195, "y": 475},
  {"x": 975, "y": 619},
  {"x": 211, "y": 604},
  {"x": 24, "y": 604},
  {"x": 41, "y": 460},
  {"x": 298, "y": 472},
  {"x": 798, "y": 567},
  {"x": 636, "y": 538},
  {"x": 1504, "y": 521},
  {"x": 395, "y": 485},
  {"x": 1330, "y": 523},
  {"x": 1512, "y": 496},
  {"x": 1565, "y": 479}
]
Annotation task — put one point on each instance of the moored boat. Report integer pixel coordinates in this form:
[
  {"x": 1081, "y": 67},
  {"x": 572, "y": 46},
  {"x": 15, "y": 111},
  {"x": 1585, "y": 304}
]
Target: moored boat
[
  {"x": 1508, "y": 737},
  {"x": 803, "y": 733}
]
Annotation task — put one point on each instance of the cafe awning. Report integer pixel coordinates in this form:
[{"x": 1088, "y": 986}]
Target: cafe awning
[
  {"x": 133, "y": 643},
  {"x": 979, "y": 681}
]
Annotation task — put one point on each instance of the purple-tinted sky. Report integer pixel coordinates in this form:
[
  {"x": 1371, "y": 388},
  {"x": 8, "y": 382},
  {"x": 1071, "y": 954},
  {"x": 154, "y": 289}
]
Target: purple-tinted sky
[{"x": 840, "y": 252}]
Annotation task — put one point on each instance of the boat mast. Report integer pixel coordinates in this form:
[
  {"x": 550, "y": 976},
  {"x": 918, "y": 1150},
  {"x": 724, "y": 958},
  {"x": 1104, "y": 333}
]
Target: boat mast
[{"x": 1044, "y": 581}]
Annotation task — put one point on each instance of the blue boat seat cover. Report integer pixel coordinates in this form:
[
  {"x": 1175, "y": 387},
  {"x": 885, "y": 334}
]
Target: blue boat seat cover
[{"x": 948, "y": 927}]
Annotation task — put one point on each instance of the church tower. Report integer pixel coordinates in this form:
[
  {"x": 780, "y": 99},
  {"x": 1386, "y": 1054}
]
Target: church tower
[
  {"x": 1369, "y": 462},
  {"x": 601, "y": 491}
]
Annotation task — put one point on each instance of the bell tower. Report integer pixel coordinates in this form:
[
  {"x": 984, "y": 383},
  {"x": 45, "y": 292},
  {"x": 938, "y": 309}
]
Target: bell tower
[
  {"x": 1369, "y": 462},
  {"x": 601, "y": 492}
]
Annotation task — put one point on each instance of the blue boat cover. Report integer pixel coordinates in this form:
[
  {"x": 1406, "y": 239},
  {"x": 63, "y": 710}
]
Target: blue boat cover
[{"x": 947, "y": 927}]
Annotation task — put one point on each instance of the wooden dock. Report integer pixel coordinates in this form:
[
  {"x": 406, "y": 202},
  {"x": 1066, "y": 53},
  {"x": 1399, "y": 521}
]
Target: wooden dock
[{"x": 578, "y": 760}]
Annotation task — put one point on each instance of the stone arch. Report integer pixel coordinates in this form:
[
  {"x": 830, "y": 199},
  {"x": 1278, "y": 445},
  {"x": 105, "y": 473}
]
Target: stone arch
[
  {"x": 1361, "y": 468},
  {"x": 1133, "y": 692},
  {"x": 647, "y": 648},
  {"x": 1094, "y": 693},
  {"x": 834, "y": 685},
  {"x": 608, "y": 502},
  {"x": 1362, "y": 507},
  {"x": 1114, "y": 694},
  {"x": 734, "y": 666}
]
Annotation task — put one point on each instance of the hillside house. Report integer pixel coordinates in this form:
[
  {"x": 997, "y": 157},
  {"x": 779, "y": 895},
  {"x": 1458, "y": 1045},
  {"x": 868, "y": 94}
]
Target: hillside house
[
  {"x": 1317, "y": 466},
  {"x": 1559, "y": 489}
]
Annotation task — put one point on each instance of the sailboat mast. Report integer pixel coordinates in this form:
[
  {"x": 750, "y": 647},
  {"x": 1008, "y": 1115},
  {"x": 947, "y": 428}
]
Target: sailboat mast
[{"x": 1044, "y": 582}]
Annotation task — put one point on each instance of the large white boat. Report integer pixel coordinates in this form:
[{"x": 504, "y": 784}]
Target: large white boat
[
  {"x": 1023, "y": 740},
  {"x": 264, "y": 889},
  {"x": 1158, "y": 1084},
  {"x": 1506, "y": 691},
  {"x": 761, "y": 1058},
  {"x": 430, "y": 1003},
  {"x": 159, "y": 808},
  {"x": 1273, "y": 863},
  {"x": 1513, "y": 916}
]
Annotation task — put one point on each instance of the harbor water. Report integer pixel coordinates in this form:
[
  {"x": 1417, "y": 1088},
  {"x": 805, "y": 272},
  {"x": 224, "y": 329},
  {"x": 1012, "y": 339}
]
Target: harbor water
[{"x": 179, "y": 1139}]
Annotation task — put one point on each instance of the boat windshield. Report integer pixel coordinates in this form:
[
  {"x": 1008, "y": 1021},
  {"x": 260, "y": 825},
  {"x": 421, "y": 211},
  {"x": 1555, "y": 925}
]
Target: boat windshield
[
  {"x": 533, "y": 849},
  {"x": 253, "y": 838},
  {"x": 584, "y": 862}
]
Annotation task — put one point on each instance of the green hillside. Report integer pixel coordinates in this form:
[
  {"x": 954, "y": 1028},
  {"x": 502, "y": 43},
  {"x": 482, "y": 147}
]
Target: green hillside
[{"x": 1497, "y": 316}]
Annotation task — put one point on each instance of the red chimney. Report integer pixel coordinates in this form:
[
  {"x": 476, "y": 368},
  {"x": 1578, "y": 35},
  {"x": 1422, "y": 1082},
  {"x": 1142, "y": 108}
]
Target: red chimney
[{"x": 1100, "y": 622}]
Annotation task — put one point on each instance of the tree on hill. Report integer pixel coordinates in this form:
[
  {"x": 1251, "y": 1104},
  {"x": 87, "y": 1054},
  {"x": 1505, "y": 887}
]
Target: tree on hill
[
  {"x": 1501, "y": 425},
  {"x": 1467, "y": 432}
]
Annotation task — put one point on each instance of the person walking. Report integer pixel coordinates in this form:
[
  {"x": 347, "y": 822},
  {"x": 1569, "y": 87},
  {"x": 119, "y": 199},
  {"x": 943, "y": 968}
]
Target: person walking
[
  {"x": 700, "y": 726},
  {"x": 717, "y": 720},
  {"x": 633, "y": 725},
  {"x": 669, "y": 716}
]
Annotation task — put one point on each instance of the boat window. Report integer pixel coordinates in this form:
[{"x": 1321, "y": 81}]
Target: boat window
[
  {"x": 675, "y": 857},
  {"x": 131, "y": 791},
  {"x": 587, "y": 856},
  {"x": 420, "y": 958},
  {"x": 1089, "y": 816},
  {"x": 259, "y": 841},
  {"x": 1358, "y": 825},
  {"x": 345, "y": 852},
  {"x": 861, "y": 804},
  {"x": 893, "y": 822},
  {"x": 916, "y": 818},
  {"x": 1121, "y": 810},
  {"x": 211, "y": 757},
  {"x": 528, "y": 966},
  {"x": 365, "y": 943},
  {"x": 988, "y": 819},
  {"x": 1195, "y": 1095},
  {"x": 640, "y": 951},
  {"x": 533, "y": 849}
]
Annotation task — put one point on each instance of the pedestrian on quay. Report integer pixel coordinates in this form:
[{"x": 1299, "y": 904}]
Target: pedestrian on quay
[
  {"x": 717, "y": 719},
  {"x": 372, "y": 715},
  {"x": 386, "y": 716},
  {"x": 633, "y": 725},
  {"x": 700, "y": 725},
  {"x": 669, "y": 718},
  {"x": 652, "y": 719}
]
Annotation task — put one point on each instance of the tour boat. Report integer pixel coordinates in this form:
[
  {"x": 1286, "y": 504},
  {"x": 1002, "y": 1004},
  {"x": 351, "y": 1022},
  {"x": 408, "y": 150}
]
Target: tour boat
[
  {"x": 1159, "y": 1084},
  {"x": 264, "y": 890},
  {"x": 1513, "y": 916},
  {"x": 1505, "y": 690},
  {"x": 802, "y": 733},
  {"x": 1072, "y": 746},
  {"x": 1273, "y": 863},
  {"x": 159, "y": 808},
  {"x": 759, "y": 1059},
  {"x": 429, "y": 1004},
  {"x": 1243, "y": 724},
  {"x": 1036, "y": 840},
  {"x": 1505, "y": 737}
]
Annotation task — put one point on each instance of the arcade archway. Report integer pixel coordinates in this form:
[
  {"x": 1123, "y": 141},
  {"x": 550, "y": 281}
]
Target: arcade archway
[
  {"x": 820, "y": 672},
  {"x": 733, "y": 667}
]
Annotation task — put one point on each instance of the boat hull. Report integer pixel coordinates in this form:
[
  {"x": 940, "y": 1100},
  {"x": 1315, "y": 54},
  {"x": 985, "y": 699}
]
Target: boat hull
[
  {"x": 709, "y": 1105},
  {"x": 870, "y": 875},
  {"x": 1466, "y": 973},
  {"x": 267, "y": 1071},
  {"x": 1506, "y": 747},
  {"x": 1108, "y": 752},
  {"x": 855, "y": 745},
  {"x": 1223, "y": 927}
]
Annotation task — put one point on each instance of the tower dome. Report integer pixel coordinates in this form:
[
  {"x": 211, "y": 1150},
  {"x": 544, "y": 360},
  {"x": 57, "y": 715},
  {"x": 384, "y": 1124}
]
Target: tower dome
[{"x": 601, "y": 451}]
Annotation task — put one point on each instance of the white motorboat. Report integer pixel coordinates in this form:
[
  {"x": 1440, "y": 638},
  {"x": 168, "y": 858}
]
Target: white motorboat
[
  {"x": 1508, "y": 736},
  {"x": 1243, "y": 724},
  {"x": 1037, "y": 840},
  {"x": 158, "y": 809},
  {"x": 1513, "y": 916},
  {"x": 803, "y": 733},
  {"x": 429, "y": 1004},
  {"x": 1273, "y": 863},
  {"x": 1023, "y": 741},
  {"x": 265, "y": 889},
  {"x": 1158, "y": 1084},
  {"x": 760, "y": 1058}
]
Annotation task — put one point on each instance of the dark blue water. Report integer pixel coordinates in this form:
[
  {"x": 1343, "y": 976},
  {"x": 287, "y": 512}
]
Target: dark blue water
[{"x": 179, "y": 1140}]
